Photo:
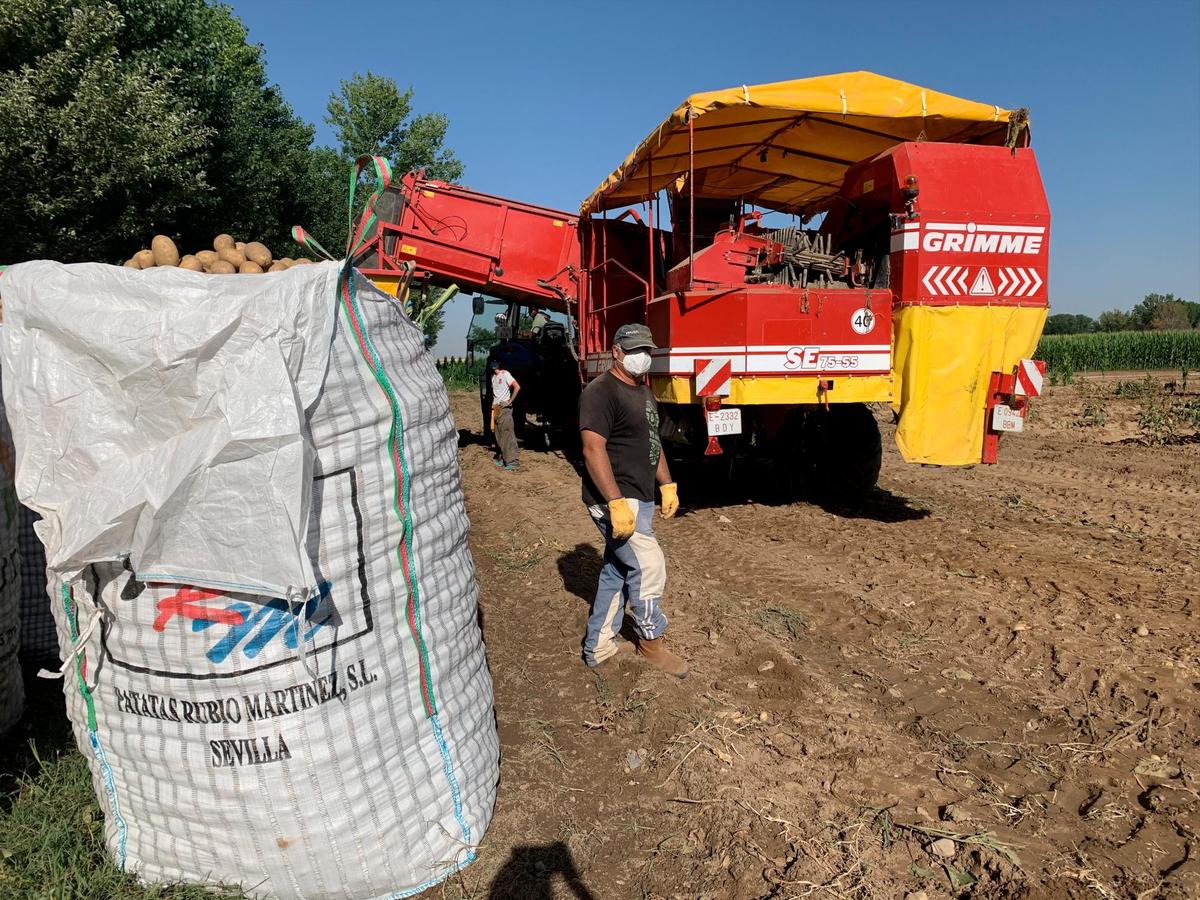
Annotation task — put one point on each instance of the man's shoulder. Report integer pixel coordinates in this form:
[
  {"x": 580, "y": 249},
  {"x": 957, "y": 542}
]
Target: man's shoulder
[{"x": 601, "y": 384}]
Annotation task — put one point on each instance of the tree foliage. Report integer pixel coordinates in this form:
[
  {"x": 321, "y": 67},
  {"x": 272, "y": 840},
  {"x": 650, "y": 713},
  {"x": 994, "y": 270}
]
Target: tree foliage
[
  {"x": 120, "y": 119},
  {"x": 1068, "y": 323},
  {"x": 95, "y": 149},
  {"x": 1114, "y": 320},
  {"x": 1155, "y": 312},
  {"x": 256, "y": 159},
  {"x": 1164, "y": 312},
  {"x": 482, "y": 339},
  {"x": 1170, "y": 317},
  {"x": 370, "y": 115}
]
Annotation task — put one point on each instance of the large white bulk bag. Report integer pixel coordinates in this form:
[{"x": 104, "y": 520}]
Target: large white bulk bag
[
  {"x": 254, "y": 524},
  {"x": 12, "y": 691}
]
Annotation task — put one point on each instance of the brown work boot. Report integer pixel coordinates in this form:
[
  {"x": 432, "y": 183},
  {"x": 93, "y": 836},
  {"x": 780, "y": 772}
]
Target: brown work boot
[
  {"x": 623, "y": 651},
  {"x": 656, "y": 653}
]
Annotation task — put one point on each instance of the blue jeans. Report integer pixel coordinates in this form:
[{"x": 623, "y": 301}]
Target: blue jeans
[{"x": 634, "y": 575}]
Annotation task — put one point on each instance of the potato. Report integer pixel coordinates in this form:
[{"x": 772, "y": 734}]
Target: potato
[
  {"x": 288, "y": 261},
  {"x": 221, "y": 241},
  {"x": 164, "y": 250},
  {"x": 250, "y": 267},
  {"x": 303, "y": 261},
  {"x": 222, "y": 267},
  {"x": 258, "y": 253},
  {"x": 132, "y": 263},
  {"x": 145, "y": 259},
  {"x": 190, "y": 262},
  {"x": 207, "y": 258},
  {"x": 277, "y": 266},
  {"x": 241, "y": 245},
  {"x": 232, "y": 255}
]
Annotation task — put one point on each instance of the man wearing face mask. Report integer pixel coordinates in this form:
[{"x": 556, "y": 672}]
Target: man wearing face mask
[{"x": 619, "y": 427}]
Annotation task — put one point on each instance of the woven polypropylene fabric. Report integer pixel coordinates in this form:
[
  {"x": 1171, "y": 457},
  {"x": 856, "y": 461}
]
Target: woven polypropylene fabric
[
  {"x": 12, "y": 690},
  {"x": 39, "y": 638},
  {"x": 290, "y": 752}
]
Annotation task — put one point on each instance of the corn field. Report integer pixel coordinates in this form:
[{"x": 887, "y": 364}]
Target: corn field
[
  {"x": 458, "y": 373},
  {"x": 1120, "y": 350}
]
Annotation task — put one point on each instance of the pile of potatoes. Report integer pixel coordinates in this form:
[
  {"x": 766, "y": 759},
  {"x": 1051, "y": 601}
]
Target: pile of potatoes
[{"x": 226, "y": 258}]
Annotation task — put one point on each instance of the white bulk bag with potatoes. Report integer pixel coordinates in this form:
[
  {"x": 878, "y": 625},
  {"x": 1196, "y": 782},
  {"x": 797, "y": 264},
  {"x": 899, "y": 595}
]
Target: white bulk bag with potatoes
[{"x": 257, "y": 547}]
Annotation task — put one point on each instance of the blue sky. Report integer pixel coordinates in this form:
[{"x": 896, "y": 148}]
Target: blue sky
[{"x": 546, "y": 98}]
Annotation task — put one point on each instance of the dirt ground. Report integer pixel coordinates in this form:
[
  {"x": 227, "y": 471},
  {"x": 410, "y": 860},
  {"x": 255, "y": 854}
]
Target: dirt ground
[{"x": 1005, "y": 656}]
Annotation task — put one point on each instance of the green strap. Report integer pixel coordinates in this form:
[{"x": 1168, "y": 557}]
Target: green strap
[
  {"x": 356, "y": 238},
  {"x": 356, "y": 241},
  {"x": 310, "y": 243},
  {"x": 72, "y": 612}
]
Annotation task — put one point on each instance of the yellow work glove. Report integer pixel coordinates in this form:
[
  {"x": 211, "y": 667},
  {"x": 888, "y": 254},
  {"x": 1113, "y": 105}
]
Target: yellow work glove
[
  {"x": 670, "y": 499},
  {"x": 621, "y": 517}
]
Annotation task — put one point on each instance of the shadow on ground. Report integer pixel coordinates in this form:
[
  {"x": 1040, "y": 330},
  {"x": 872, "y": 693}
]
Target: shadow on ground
[
  {"x": 715, "y": 484},
  {"x": 579, "y": 570},
  {"x": 468, "y": 438},
  {"x": 880, "y": 505},
  {"x": 532, "y": 439},
  {"x": 534, "y": 873},
  {"x": 42, "y": 734}
]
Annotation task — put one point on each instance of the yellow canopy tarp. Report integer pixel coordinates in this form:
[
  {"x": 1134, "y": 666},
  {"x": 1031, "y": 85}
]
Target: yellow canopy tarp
[{"x": 786, "y": 146}]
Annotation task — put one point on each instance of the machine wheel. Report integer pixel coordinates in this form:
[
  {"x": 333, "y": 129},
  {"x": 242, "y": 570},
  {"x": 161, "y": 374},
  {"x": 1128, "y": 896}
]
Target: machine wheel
[
  {"x": 832, "y": 454},
  {"x": 485, "y": 405},
  {"x": 844, "y": 452},
  {"x": 789, "y": 469}
]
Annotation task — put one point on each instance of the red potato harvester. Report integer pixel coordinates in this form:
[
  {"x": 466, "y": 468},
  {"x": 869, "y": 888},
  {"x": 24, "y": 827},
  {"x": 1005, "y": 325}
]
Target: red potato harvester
[{"x": 834, "y": 241}]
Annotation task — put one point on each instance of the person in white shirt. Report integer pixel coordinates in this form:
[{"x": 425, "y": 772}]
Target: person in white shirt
[{"x": 504, "y": 393}]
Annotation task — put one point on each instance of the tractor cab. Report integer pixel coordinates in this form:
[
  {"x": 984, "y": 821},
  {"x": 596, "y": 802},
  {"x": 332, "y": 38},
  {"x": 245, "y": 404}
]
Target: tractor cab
[{"x": 539, "y": 352}]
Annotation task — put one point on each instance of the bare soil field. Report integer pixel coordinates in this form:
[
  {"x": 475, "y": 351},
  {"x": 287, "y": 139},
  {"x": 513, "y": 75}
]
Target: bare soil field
[{"x": 984, "y": 683}]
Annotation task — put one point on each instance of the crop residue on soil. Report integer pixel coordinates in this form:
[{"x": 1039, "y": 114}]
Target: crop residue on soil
[{"x": 985, "y": 683}]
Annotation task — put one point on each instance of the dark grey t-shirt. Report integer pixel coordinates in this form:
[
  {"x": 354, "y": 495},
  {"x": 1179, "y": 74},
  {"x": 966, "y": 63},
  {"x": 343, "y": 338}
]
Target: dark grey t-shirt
[{"x": 626, "y": 416}]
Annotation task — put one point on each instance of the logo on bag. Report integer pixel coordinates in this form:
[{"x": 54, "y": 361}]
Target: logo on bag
[
  {"x": 237, "y": 626},
  {"x": 198, "y": 633}
]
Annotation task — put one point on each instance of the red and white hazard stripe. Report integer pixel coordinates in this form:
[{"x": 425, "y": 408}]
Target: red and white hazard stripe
[
  {"x": 1029, "y": 378},
  {"x": 713, "y": 376}
]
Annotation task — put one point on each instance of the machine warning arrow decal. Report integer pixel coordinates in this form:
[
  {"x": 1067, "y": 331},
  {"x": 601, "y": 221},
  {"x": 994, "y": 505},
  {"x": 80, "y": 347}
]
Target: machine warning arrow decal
[
  {"x": 946, "y": 281},
  {"x": 1037, "y": 282},
  {"x": 925, "y": 282},
  {"x": 953, "y": 281}
]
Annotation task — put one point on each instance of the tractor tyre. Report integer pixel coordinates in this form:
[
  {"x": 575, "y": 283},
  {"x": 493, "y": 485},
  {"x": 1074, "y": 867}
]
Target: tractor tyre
[
  {"x": 485, "y": 405},
  {"x": 844, "y": 452},
  {"x": 789, "y": 463}
]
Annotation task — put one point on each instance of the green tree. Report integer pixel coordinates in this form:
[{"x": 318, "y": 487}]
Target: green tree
[
  {"x": 1115, "y": 320},
  {"x": 1143, "y": 314},
  {"x": 370, "y": 115},
  {"x": 1068, "y": 323},
  {"x": 1171, "y": 316},
  {"x": 256, "y": 160},
  {"x": 95, "y": 150},
  {"x": 482, "y": 339},
  {"x": 123, "y": 118}
]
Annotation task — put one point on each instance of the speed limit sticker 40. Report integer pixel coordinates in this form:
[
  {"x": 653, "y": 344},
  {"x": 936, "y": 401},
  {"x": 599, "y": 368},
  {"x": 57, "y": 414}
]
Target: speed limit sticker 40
[{"x": 862, "y": 321}]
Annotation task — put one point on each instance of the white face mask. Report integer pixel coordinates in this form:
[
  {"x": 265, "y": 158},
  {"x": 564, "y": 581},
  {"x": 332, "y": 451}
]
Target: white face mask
[{"x": 636, "y": 364}]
